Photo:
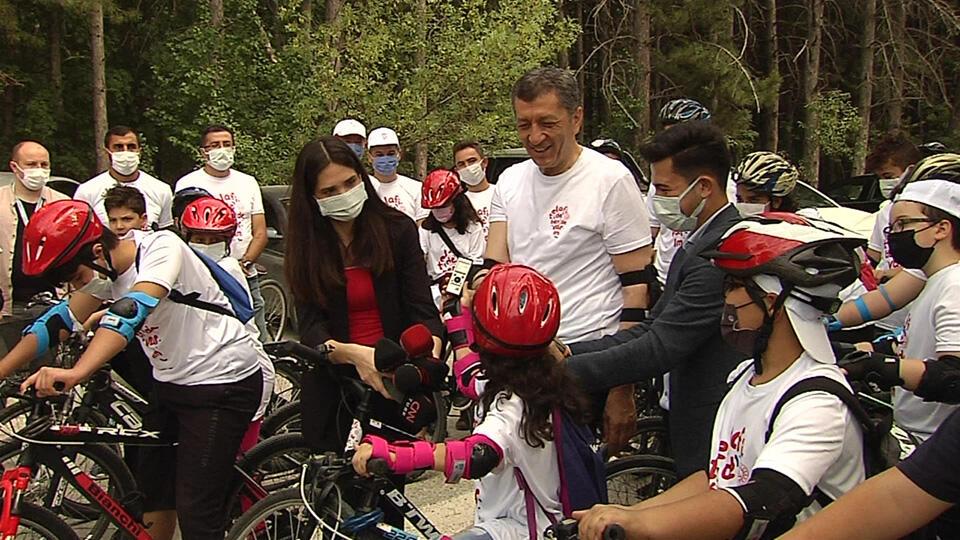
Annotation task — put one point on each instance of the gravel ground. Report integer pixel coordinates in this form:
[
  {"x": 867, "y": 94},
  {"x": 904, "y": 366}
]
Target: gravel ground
[{"x": 449, "y": 506}]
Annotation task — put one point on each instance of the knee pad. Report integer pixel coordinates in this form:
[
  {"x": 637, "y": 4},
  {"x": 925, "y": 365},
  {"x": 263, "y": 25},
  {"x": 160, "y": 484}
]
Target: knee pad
[
  {"x": 472, "y": 457},
  {"x": 127, "y": 314}
]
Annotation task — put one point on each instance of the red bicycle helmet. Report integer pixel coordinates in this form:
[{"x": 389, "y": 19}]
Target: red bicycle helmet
[
  {"x": 56, "y": 234},
  {"x": 799, "y": 254},
  {"x": 440, "y": 187},
  {"x": 516, "y": 311},
  {"x": 209, "y": 215}
]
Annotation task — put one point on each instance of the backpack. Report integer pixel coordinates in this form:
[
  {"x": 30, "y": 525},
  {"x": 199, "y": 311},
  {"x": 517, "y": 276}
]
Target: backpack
[
  {"x": 235, "y": 292},
  {"x": 583, "y": 478},
  {"x": 881, "y": 448}
]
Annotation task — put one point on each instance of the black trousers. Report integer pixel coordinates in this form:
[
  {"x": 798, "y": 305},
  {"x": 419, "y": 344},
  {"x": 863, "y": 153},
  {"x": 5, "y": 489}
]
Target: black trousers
[{"x": 208, "y": 422}]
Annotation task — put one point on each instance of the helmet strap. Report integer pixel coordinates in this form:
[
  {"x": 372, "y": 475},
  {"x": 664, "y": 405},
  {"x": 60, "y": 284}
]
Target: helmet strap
[
  {"x": 108, "y": 270},
  {"x": 766, "y": 329}
]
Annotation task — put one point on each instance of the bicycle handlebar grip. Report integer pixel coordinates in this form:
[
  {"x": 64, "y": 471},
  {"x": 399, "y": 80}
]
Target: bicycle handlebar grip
[
  {"x": 614, "y": 532},
  {"x": 319, "y": 355},
  {"x": 378, "y": 467}
]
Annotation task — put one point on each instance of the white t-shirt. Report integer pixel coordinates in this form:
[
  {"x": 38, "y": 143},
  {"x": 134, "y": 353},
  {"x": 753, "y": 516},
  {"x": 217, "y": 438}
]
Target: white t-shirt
[
  {"x": 232, "y": 266},
  {"x": 816, "y": 441},
  {"x": 932, "y": 328},
  {"x": 186, "y": 345},
  {"x": 481, "y": 201},
  {"x": 567, "y": 227},
  {"x": 878, "y": 242},
  {"x": 403, "y": 194},
  {"x": 440, "y": 260},
  {"x": 501, "y": 510},
  {"x": 156, "y": 194},
  {"x": 238, "y": 190}
]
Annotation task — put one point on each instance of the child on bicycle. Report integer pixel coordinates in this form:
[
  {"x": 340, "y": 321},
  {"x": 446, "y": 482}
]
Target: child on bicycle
[
  {"x": 205, "y": 364},
  {"x": 515, "y": 313},
  {"x": 208, "y": 225},
  {"x": 766, "y": 472}
]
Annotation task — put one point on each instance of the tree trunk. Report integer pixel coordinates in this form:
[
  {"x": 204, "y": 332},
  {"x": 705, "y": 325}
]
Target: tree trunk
[
  {"x": 641, "y": 29},
  {"x": 580, "y": 50},
  {"x": 563, "y": 57},
  {"x": 9, "y": 109},
  {"x": 897, "y": 14},
  {"x": 99, "y": 68},
  {"x": 333, "y": 9},
  {"x": 56, "y": 58},
  {"x": 770, "y": 112},
  {"x": 216, "y": 13},
  {"x": 811, "y": 120},
  {"x": 421, "y": 150},
  {"x": 865, "y": 95}
]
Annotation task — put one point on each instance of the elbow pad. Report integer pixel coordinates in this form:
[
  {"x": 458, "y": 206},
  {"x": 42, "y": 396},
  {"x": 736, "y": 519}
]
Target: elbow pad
[
  {"x": 127, "y": 314},
  {"x": 940, "y": 380},
  {"x": 47, "y": 327},
  {"x": 403, "y": 457},
  {"x": 472, "y": 457},
  {"x": 460, "y": 328},
  {"x": 648, "y": 277},
  {"x": 770, "y": 503},
  {"x": 467, "y": 371}
]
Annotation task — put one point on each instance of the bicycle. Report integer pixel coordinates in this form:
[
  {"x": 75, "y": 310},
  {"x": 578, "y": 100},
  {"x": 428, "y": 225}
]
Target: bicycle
[
  {"x": 567, "y": 530},
  {"x": 274, "y": 308}
]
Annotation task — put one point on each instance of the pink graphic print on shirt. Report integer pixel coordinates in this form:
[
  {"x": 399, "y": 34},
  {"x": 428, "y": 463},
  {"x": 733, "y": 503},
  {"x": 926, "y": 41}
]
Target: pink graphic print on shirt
[
  {"x": 558, "y": 219},
  {"x": 728, "y": 463}
]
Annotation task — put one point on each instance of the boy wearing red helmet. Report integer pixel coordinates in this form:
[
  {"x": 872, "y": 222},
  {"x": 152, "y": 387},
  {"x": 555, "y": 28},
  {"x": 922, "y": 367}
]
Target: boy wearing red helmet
[
  {"x": 205, "y": 364},
  {"x": 768, "y": 468},
  {"x": 513, "y": 320}
]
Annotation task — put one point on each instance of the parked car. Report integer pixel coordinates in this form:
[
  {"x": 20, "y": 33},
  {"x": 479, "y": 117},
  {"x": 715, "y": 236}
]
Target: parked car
[
  {"x": 861, "y": 192},
  {"x": 811, "y": 201},
  {"x": 67, "y": 186}
]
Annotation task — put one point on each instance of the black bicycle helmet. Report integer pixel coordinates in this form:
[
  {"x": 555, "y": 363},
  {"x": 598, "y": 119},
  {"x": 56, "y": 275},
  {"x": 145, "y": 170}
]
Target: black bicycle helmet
[
  {"x": 610, "y": 146},
  {"x": 932, "y": 148},
  {"x": 184, "y": 197},
  {"x": 682, "y": 110}
]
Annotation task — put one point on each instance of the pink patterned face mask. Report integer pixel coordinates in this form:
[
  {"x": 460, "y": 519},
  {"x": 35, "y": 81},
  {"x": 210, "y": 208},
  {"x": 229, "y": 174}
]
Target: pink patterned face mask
[{"x": 444, "y": 214}]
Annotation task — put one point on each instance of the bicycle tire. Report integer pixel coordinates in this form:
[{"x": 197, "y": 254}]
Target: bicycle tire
[
  {"x": 274, "y": 308},
  {"x": 285, "y": 419},
  {"x": 13, "y": 418},
  {"x": 38, "y": 522},
  {"x": 632, "y": 479},
  {"x": 77, "y": 512},
  {"x": 652, "y": 438},
  {"x": 274, "y": 464},
  {"x": 284, "y": 512}
]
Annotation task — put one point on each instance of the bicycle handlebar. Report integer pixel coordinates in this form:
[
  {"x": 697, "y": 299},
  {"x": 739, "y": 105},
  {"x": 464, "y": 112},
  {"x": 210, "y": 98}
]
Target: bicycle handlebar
[
  {"x": 567, "y": 530},
  {"x": 378, "y": 467},
  {"x": 318, "y": 355}
]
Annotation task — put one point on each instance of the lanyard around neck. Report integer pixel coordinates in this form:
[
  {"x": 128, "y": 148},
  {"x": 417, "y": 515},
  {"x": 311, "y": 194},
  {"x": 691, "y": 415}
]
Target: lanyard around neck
[{"x": 23, "y": 211}]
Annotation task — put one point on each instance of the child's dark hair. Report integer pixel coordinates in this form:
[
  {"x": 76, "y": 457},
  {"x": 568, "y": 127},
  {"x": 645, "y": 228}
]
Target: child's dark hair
[
  {"x": 463, "y": 215},
  {"x": 543, "y": 384},
  {"x": 939, "y": 215},
  {"x": 125, "y": 197}
]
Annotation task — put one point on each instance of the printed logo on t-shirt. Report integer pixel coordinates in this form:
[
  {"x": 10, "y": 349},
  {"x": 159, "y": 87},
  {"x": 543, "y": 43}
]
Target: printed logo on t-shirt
[
  {"x": 728, "y": 463},
  {"x": 395, "y": 202},
  {"x": 679, "y": 237},
  {"x": 150, "y": 338},
  {"x": 906, "y": 332},
  {"x": 446, "y": 262},
  {"x": 558, "y": 219}
]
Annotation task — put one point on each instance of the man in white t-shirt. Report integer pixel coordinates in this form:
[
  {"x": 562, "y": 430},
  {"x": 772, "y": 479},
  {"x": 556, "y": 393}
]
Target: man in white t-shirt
[
  {"x": 398, "y": 191},
  {"x": 204, "y": 361},
  {"x": 578, "y": 218},
  {"x": 354, "y": 134},
  {"x": 123, "y": 145},
  {"x": 471, "y": 165},
  {"x": 240, "y": 191},
  {"x": 775, "y": 451}
]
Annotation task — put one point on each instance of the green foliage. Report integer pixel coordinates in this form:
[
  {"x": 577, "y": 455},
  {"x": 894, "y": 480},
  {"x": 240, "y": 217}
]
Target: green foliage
[{"x": 839, "y": 123}]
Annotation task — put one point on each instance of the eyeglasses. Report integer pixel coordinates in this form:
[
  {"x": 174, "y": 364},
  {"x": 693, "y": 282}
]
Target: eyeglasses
[{"x": 900, "y": 224}]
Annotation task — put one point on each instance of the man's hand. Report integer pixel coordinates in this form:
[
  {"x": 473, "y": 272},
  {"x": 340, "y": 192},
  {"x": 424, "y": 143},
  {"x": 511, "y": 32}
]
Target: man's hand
[
  {"x": 46, "y": 378},
  {"x": 558, "y": 351},
  {"x": 367, "y": 369},
  {"x": 595, "y": 520},
  {"x": 619, "y": 418}
]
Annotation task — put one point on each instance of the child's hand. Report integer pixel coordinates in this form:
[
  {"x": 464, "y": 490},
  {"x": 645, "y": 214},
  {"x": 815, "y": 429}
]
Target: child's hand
[
  {"x": 361, "y": 457},
  {"x": 93, "y": 320}
]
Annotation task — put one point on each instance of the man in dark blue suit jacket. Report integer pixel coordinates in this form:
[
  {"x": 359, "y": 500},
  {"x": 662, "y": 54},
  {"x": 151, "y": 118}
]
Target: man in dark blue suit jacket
[{"x": 682, "y": 337}]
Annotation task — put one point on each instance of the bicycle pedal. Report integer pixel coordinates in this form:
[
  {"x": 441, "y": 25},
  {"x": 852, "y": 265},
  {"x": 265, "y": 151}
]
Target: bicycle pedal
[{"x": 360, "y": 522}]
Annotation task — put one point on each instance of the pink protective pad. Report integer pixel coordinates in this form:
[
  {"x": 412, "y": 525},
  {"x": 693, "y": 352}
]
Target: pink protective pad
[
  {"x": 462, "y": 322},
  {"x": 457, "y": 462},
  {"x": 402, "y": 456},
  {"x": 465, "y": 371}
]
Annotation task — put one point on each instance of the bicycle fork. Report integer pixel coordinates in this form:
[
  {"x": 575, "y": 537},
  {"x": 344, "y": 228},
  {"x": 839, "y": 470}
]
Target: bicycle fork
[{"x": 13, "y": 484}]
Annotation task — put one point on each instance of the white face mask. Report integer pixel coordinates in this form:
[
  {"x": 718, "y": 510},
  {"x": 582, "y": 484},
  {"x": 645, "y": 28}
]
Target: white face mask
[
  {"x": 215, "y": 251},
  {"x": 887, "y": 185},
  {"x": 668, "y": 212},
  {"x": 472, "y": 174},
  {"x": 34, "y": 179},
  {"x": 442, "y": 215},
  {"x": 125, "y": 163},
  {"x": 751, "y": 209},
  {"x": 345, "y": 206},
  {"x": 221, "y": 159}
]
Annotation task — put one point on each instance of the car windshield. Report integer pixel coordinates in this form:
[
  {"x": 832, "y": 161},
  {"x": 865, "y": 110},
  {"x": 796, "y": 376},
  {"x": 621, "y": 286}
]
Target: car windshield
[{"x": 809, "y": 197}]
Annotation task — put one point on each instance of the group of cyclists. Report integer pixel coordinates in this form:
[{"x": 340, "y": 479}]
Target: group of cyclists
[{"x": 582, "y": 286}]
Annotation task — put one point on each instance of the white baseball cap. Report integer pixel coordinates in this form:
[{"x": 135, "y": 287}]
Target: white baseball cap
[
  {"x": 349, "y": 127},
  {"x": 941, "y": 194},
  {"x": 383, "y": 137}
]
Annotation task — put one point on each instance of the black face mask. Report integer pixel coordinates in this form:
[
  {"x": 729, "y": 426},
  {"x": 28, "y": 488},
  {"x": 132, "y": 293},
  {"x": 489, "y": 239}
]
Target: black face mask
[
  {"x": 742, "y": 340},
  {"x": 905, "y": 251}
]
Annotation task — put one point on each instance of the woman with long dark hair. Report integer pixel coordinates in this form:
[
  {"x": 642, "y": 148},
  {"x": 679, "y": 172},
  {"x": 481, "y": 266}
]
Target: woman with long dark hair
[{"x": 357, "y": 274}]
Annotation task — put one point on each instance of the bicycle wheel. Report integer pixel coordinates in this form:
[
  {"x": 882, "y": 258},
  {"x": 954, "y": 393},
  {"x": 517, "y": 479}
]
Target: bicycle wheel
[
  {"x": 286, "y": 386},
  {"x": 274, "y": 308},
  {"x": 283, "y": 515},
  {"x": 285, "y": 419},
  {"x": 272, "y": 465},
  {"x": 105, "y": 468},
  {"x": 38, "y": 522},
  {"x": 13, "y": 418},
  {"x": 652, "y": 438},
  {"x": 636, "y": 478}
]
